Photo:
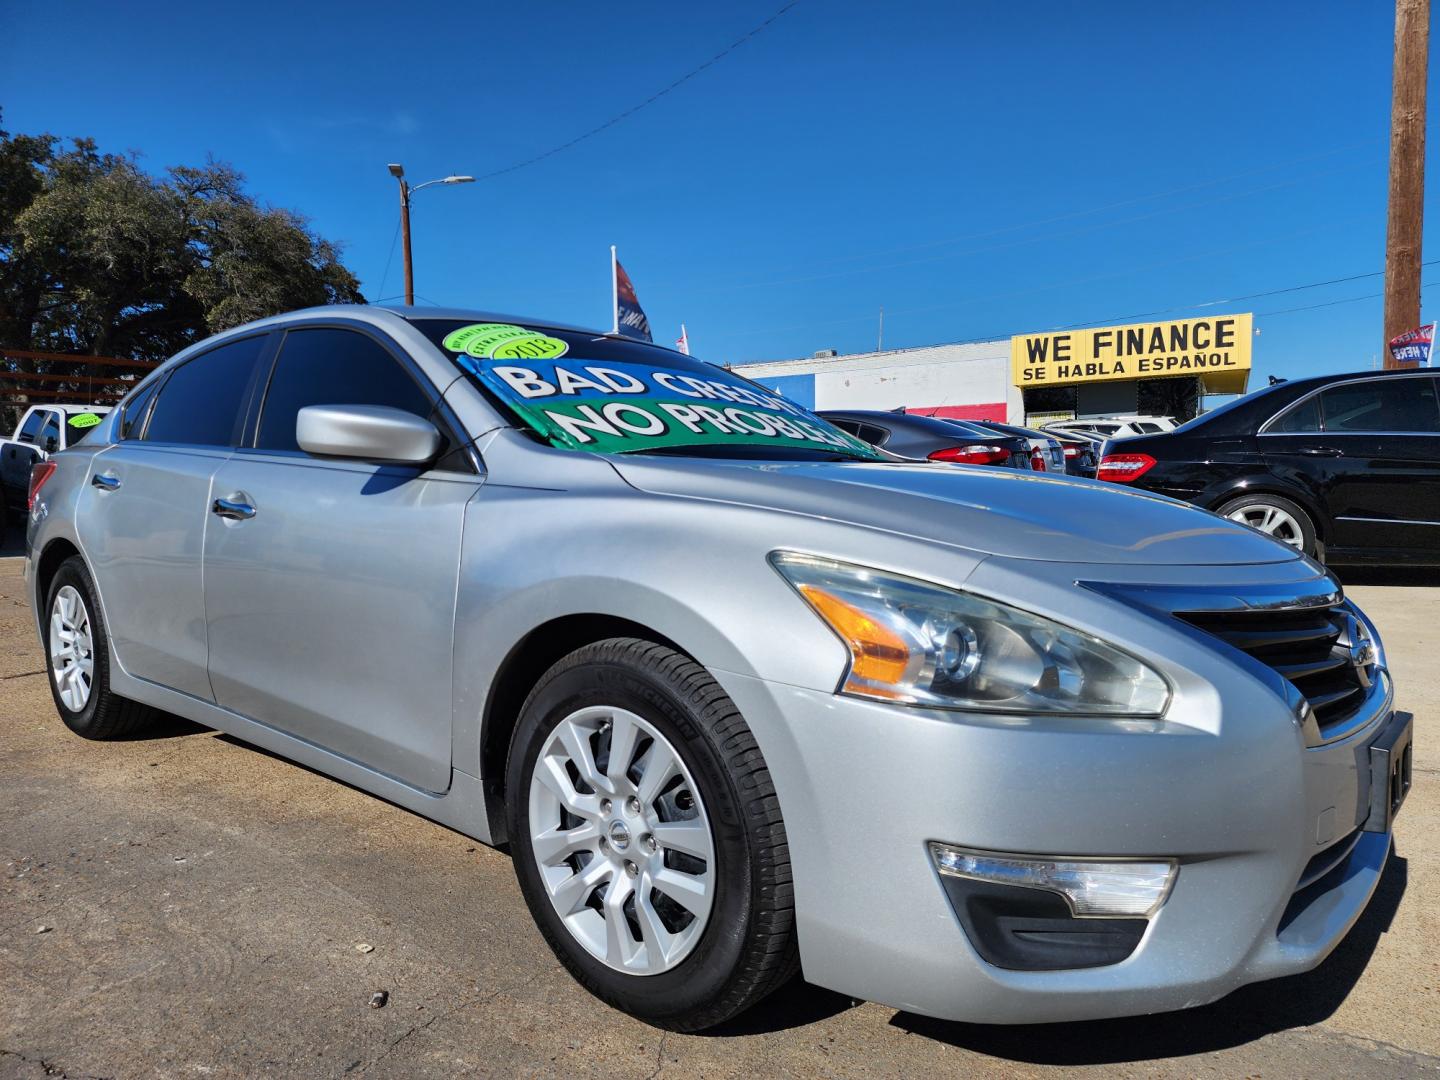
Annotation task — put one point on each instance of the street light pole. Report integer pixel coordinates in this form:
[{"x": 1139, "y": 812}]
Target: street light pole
[{"x": 398, "y": 171}]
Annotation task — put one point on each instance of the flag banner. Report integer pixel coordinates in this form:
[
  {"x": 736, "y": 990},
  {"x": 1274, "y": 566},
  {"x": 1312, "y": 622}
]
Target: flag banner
[
  {"x": 619, "y": 407},
  {"x": 630, "y": 317},
  {"x": 1413, "y": 346},
  {"x": 683, "y": 341}
]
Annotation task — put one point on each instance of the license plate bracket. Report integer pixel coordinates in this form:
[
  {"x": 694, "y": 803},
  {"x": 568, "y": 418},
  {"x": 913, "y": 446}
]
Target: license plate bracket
[{"x": 1391, "y": 767}]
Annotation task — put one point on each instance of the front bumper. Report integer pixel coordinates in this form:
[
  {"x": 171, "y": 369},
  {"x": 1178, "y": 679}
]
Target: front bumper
[{"x": 1245, "y": 808}]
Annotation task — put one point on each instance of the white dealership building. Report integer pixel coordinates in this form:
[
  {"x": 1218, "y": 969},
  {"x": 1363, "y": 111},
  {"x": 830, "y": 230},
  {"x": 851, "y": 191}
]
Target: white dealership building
[{"x": 1149, "y": 368}]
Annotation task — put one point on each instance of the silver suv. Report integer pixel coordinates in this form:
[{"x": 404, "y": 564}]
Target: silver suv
[{"x": 740, "y": 692}]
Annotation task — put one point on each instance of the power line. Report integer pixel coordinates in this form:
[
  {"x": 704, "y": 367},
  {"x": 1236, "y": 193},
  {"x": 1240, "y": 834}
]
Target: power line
[
  {"x": 386, "y": 276},
  {"x": 1238, "y": 299},
  {"x": 1333, "y": 303},
  {"x": 644, "y": 104}
]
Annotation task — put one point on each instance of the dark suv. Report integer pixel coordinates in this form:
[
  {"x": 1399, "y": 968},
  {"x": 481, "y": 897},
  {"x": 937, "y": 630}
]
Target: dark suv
[{"x": 1344, "y": 467}]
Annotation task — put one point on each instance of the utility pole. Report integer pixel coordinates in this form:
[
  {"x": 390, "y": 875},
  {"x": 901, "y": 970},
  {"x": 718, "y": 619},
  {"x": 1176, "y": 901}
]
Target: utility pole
[
  {"x": 398, "y": 171},
  {"x": 1407, "y": 171},
  {"x": 880, "y": 340}
]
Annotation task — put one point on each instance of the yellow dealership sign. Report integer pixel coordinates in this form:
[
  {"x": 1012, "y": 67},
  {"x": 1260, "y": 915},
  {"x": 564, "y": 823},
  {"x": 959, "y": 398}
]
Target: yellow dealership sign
[{"x": 1216, "y": 347}]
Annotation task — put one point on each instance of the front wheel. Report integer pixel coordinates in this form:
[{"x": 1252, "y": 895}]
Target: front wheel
[
  {"x": 647, "y": 836},
  {"x": 1274, "y": 516}
]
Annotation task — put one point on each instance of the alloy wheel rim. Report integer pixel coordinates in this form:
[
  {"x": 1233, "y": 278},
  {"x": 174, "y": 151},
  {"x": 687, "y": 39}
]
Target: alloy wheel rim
[
  {"x": 622, "y": 841},
  {"x": 1272, "y": 521},
  {"x": 72, "y": 651}
]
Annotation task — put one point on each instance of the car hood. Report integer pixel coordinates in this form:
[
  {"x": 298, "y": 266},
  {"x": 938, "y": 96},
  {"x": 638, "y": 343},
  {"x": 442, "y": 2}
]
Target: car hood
[{"x": 993, "y": 511}]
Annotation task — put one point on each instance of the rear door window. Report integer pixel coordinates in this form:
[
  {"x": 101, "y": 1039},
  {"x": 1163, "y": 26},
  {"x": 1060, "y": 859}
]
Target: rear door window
[
  {"x": 1299, "y": 418},
  {"x": 332, "y": 366},
  {"x": 202, "y": 401},
  {"x": 1391, "y": 404}
]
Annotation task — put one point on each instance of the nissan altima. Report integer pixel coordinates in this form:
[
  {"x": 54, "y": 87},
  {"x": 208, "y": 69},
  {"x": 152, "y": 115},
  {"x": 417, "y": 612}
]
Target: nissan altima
[{"x": 742, "y": 694}]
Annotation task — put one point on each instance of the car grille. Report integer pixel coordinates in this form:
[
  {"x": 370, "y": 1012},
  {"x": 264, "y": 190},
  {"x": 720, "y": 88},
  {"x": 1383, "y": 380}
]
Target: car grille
[{"x": 1322, "y": 650}]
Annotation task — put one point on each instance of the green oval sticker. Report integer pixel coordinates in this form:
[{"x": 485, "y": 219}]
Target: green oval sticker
[
  {"x": 503, "y": 341},
  {"x": 84, "y": 420},
  {"x": 534, "y": 347}
]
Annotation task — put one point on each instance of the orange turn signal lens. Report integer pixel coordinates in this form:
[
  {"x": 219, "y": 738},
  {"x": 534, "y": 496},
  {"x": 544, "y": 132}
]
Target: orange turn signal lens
[{"x": 877, "y": 653}]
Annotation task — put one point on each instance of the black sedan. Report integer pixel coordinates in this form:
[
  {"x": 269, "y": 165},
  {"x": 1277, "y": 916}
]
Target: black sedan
[
  {"x": 1344, "y": 467},
  {"x": 913, "y": 436}
]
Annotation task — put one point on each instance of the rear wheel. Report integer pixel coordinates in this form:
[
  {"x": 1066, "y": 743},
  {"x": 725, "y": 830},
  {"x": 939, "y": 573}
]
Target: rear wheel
[
  {"x": 77, "y": 653},
  {"x": 647, "y": 836},
  {"x": 1274, "y": 516}
]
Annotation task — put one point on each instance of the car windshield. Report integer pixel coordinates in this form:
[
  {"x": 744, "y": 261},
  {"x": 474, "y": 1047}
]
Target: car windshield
[{"x": 583, "y": 391}]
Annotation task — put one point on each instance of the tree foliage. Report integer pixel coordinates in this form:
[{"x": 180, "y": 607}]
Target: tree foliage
[{"x": 99, "y": 257}]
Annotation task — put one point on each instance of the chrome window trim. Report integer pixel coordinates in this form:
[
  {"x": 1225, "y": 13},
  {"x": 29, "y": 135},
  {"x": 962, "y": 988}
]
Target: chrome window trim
[
  {"x": 1386, "y": 521},
  {"x": 1264, "y": 428}
]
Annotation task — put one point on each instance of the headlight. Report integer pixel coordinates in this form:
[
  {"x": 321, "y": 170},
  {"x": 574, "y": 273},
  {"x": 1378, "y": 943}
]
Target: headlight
[{"x": 922, "y": 644}]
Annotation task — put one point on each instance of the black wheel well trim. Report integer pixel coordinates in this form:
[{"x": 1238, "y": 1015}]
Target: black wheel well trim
[
  {"x": 530, "y": 657},
  {"x": 1318, "y": 518}
]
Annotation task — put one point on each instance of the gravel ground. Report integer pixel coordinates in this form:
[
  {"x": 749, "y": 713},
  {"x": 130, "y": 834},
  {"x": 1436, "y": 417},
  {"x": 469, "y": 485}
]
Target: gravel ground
[{"x": 184, "y": 905}]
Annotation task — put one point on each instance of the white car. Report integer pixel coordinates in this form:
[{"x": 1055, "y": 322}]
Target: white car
[
  {"x": 42, "y": 431},
  {"x": 1114, "y": 427}
]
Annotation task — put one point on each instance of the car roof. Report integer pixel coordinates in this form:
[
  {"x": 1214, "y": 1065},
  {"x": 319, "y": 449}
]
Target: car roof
[
  {"x": 412, "y": 313},
  {"x": 69, "y": 409},
  {"x": 1312, "y": 381}
]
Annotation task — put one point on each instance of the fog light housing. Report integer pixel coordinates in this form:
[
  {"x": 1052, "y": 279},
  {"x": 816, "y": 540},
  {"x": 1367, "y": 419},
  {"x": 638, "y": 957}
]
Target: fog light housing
[{"x": 1092, "y": 888}]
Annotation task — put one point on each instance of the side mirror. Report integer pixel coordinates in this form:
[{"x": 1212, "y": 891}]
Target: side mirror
[
  {"x": 50, "y": 444},
  {"x": 368, "y": 432}
]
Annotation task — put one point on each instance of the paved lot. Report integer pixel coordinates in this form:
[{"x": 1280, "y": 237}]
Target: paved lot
[{"x": 205, "y": 901}]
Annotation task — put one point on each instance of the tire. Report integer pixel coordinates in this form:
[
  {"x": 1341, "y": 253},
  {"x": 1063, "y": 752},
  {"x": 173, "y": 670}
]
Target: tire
[
  {"x": 695, "y": 974},
  {"x": 91, "y": 710},
  {"x": 1275, "y": 516}
]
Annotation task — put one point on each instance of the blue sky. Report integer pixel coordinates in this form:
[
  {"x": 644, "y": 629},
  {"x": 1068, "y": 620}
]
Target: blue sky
[{"x": 978, "y": 169}]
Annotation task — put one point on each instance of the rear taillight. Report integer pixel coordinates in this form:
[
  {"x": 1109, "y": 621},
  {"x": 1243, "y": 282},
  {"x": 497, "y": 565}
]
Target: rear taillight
[
  {"x": 1122, "y": 468},
  {"x": 976, "y": 454},
  {"x": 39, "y": 473},
  {"x": 1037, "y": 459}
]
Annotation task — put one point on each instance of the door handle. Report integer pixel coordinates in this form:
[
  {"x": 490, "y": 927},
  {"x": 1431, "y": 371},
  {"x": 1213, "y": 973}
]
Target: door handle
[
  {"x": 1320, "y": 451},
  {"x": 105, "y": 481},
  {"x": 233, "y": 509}
]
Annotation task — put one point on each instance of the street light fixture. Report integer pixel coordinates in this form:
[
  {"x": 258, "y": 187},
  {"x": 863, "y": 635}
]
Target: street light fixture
[{"x": 398, "y": 171}]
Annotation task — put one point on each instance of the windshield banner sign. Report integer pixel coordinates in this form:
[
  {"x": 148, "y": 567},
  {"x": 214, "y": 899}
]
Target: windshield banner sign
[{"x": 619, "y": 408}]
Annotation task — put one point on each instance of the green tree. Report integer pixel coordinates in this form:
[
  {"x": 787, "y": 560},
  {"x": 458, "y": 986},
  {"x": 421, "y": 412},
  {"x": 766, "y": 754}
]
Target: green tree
[{"x": 98, "y": 257}]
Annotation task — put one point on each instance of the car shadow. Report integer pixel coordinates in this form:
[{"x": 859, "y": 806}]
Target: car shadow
[
  {"x": 165, "y": 726},
  {"x": 1388, "y": 575},
  {"x": 1246, "y": 1015}
]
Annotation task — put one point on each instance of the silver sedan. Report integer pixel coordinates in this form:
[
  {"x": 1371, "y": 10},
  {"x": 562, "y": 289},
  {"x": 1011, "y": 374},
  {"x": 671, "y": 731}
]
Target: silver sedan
[{"x": 740, "y": 693}]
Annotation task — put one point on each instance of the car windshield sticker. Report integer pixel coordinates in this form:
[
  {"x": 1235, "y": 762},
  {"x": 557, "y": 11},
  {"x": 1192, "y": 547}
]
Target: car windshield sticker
[
  {"x": 619, "y": 408},
  {"x": 504, "y": 341},
  {"x": 84, "y": 420}
]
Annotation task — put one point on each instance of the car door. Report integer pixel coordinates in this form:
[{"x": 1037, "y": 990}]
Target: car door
[
  {"x": 1388, "y": 431},
  {"x": 330, "y": 594},
  {"x": 18, "y": 455},
  {"x": 142, "y": 517}
]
